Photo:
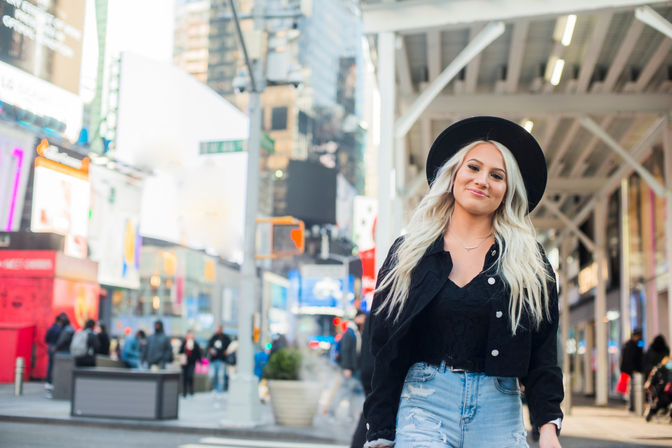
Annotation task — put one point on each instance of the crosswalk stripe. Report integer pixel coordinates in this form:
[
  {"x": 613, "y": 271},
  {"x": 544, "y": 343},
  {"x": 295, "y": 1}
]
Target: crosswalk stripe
[{"x": 208, "y": 442}]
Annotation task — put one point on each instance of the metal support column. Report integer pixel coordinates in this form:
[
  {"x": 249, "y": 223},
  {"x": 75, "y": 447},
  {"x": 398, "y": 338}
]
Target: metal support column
[
  {"x": 602, "y": 371},
  {"x": 400, "y": 183},
  {"x": 588, "y": 378},
  {"x": 625, "y": 260},
  {"x": 667, "y": 150},
  {"x": 564, "y": 320},
  {"x": 386, "y": 184}
]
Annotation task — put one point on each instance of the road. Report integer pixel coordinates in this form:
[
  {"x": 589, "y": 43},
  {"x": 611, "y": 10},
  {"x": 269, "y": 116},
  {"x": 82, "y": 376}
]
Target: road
[{"x": 29, "y": 435}]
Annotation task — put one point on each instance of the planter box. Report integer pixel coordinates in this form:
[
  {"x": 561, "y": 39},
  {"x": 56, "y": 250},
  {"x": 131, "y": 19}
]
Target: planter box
[{"x": 294, "y": 403}]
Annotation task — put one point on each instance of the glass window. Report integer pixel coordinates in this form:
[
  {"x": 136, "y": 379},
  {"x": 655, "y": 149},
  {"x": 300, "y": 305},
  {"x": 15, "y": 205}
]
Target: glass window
[{"x": 279, "y": 118}]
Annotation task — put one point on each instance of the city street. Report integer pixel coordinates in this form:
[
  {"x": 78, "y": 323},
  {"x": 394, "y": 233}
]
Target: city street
[{"x": 27, "y": 435}]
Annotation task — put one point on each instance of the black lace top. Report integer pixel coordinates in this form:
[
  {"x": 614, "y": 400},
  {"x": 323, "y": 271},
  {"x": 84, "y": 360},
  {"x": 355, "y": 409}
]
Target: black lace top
[{"x": 454, "y": 328}]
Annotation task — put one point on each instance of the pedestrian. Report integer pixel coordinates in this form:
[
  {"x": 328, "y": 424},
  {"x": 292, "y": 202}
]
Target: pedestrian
[
  {"x": 158, "y": 351},
  {"x": 65, "y": 336},
  {"x": 85, "y": 345},
  {"x": 632, "y": 361},
  {"x": 217, "y": 346},
  {"x": 103, "y": 340},
  {"x": 51, "y": 338},
  {"x": 654, "y": 354},
  {"x": 466, "y": 303},
  {"x": 131, "y": 353},
  {"x": 365, "y": 374},
  {"x": 190, "y": 354},
  {"x": 348, "y": 361}
]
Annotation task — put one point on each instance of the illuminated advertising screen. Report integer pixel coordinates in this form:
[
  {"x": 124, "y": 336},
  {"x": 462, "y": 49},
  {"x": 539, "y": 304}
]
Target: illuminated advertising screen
[
  {"x": 44, "y": 38},
  {"x": 61, "y": 198}
]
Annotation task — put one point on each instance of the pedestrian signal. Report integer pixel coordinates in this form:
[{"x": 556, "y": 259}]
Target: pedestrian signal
[{"x": 279, "y": 237}]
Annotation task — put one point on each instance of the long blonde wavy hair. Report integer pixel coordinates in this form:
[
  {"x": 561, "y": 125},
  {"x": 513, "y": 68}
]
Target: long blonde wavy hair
[{"x": 521, "y": 264}]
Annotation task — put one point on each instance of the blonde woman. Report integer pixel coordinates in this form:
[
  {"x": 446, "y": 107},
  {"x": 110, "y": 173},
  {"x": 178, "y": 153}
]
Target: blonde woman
[{"x": 466, "y": 303}]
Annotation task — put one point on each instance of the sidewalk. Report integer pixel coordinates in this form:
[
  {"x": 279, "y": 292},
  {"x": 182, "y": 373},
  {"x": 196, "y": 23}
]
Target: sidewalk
[{"x": 206, "y": 414}]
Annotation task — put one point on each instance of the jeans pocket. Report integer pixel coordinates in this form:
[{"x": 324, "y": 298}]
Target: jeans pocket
[
  {"x": 507, "y": 385},
  {"x": 420, "y": 372}
]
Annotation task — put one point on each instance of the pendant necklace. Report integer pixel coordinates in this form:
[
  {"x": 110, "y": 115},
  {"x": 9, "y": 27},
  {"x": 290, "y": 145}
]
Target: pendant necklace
[{"x": 470, "y": 248}]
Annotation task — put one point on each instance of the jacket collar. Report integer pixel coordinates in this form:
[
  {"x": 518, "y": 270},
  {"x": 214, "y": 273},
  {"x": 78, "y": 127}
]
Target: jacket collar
[{"x": 491, "y": 256}]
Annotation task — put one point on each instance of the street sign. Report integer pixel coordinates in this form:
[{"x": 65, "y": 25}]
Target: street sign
[
  {"x": 221, "y": 147},
  {"x": 267, "y": 143}
]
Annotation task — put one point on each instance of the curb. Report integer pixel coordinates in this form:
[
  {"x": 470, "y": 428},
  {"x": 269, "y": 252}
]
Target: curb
[{"x": 91, "y": 422}]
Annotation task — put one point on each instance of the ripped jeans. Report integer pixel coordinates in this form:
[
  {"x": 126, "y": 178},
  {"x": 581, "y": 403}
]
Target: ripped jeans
[{"x": 440, "y": 408}]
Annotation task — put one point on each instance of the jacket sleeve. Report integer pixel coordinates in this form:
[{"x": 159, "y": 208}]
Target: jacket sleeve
[
  {"x": 387, "y": 381},
  {"x": 543, "y": 382}
]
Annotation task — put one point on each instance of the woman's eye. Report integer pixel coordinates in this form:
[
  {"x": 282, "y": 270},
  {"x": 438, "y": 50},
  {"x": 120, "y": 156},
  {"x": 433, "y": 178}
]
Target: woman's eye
[
  {"x": 472, "y": 167},
  {"x": 497, "y": 176}
]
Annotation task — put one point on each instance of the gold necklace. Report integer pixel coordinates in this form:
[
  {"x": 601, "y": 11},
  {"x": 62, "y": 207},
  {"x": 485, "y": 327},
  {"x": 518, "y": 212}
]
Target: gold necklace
[{"x": 470, "y": 248}]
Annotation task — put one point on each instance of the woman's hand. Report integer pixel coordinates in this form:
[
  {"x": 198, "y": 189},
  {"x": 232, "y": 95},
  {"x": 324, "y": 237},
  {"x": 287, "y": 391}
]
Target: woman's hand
[{"x": 548, "y": 436}]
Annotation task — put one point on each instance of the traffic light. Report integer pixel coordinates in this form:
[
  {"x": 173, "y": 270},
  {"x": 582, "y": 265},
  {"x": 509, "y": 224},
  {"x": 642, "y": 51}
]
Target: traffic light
[{"x": 283, "y": 236}]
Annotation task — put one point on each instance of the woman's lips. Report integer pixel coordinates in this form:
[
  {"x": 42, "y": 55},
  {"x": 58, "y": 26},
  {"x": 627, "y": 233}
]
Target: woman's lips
[{"x": 477, "y": 193}]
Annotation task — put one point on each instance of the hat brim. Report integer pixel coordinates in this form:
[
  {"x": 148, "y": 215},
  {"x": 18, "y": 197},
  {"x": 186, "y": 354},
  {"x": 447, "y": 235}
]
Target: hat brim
[{"x": 522, "y": 144}]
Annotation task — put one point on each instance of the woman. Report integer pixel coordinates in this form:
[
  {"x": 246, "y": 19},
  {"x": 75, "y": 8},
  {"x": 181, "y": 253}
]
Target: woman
[
  {"x": 190, "y": 354},
  {"x": 466, "y": 302}
]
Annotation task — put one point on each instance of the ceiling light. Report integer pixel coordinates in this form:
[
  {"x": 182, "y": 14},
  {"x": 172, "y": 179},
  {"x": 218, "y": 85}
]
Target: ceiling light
[
  {"x": 569, "y": 30},
  {"x": 528, "y": 125},
  {"x": 649, "y": 16},
  {"x": 557, "y": 72}
]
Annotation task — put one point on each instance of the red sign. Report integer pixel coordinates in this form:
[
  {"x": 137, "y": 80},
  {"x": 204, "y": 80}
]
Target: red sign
[
  {"x": 34, "y": 263},
  {"x": 368, "y": 258}
]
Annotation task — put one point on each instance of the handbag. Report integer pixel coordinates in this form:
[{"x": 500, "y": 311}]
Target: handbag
[{"x": 622, "y": 385}]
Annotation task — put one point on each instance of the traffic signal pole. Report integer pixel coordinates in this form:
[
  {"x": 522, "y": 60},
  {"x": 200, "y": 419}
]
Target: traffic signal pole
[{"x": 243, "y": 403}]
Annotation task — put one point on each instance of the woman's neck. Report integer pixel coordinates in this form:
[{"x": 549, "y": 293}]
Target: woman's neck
[{"x": 466, "y": 225}]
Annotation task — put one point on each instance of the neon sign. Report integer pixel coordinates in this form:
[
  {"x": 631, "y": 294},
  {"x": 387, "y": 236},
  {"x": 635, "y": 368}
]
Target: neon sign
[{"x": 18, "y": 154}]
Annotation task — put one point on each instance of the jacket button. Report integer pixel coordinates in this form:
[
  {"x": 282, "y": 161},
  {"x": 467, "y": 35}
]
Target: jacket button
[
  {"x": 498, "y": 314},
  {"x": 367, "y": 427},
  {"x": 491, "y": 281},
  {"x": 495, "y": 352},
  {"x": 493, "y": 253}
]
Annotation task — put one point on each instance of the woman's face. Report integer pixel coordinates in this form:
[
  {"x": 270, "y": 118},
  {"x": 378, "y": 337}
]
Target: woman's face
[{"x": 480, "y": 182}]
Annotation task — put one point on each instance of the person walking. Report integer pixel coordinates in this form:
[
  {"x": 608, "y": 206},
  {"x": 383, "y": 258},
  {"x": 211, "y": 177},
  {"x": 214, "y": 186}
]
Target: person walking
[
  {"x": 349, "y": 350},
  {"x": 131, "y": 353},
  {"x": 365, "y": 374},
  {"x": 217, "y": 346},
  {"x": 632, "y": 361},
  {"x": 190, "y": 354},
  {"x": 466, "y": 304},
  {"x": 51, "y": 338},
  {"x": 65, "y": 336},
  {"x": 158, "y": 351}
]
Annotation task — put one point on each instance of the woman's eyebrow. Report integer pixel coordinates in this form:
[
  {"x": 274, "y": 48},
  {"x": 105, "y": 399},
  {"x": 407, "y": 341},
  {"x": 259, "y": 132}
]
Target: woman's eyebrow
[{"x": 478, "y": 161}]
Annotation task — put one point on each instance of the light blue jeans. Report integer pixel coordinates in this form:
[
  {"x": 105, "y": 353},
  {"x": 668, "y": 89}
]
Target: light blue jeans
[
  {"x": 440, "y": 408},
  {"x": 217, "y": 374}
]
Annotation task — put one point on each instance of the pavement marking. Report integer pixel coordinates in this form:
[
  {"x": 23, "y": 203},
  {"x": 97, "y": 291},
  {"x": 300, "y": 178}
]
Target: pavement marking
[{"x": 208, "y": 442}]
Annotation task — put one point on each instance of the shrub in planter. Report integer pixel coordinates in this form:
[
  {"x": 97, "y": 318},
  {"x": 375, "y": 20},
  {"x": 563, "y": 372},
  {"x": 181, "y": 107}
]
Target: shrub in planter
[{"x": 294, "y": 401}]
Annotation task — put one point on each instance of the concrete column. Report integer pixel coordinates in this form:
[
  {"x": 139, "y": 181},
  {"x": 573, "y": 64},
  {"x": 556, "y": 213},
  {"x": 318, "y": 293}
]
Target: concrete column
[
  {"x": 625, "y": 260},
  {"x": 564, "y": 321},
  {"x": 386, "y": 185},
  {"x": 400, "y": 183},
  {"x": 600, "y": 232},
  {"x": 577, "y": 386},
  {"x": 667, "y": 150},
  {"x": 588, "y": 380}
]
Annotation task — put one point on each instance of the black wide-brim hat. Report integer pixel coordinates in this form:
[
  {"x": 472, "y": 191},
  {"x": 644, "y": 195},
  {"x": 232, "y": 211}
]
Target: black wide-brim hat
[{"x": 521, "y": 143}]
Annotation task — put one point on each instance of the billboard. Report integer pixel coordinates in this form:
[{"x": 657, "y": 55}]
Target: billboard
[
  {"x": 114, "y": 228},
  {"x": 61, "y": 197},
  {"x": 40, "y": 58},
  {"x": 169, "y": 136},
  {"x": 15, "y": 161}
]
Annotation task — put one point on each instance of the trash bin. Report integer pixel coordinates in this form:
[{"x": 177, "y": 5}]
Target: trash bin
[{"x": 62, "y": 381}]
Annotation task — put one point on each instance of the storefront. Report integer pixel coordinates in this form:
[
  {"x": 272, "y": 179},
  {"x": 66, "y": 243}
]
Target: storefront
[{"x": 36, "y": 285}]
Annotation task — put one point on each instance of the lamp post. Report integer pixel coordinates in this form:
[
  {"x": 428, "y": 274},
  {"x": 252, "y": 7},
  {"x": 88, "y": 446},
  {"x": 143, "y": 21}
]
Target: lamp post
[{"x": 243, "y": 403}]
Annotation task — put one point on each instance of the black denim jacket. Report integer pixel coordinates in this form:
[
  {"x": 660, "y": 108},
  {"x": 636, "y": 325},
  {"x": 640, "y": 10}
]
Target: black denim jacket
[{"x": 530, "y": 355}]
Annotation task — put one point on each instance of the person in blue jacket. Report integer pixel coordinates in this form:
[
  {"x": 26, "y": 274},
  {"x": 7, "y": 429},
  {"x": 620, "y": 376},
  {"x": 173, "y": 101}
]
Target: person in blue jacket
[{"x": 132, "y": 350}]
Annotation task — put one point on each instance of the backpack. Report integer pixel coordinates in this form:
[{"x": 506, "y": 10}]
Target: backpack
[{"x": 80, "y": 344}]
